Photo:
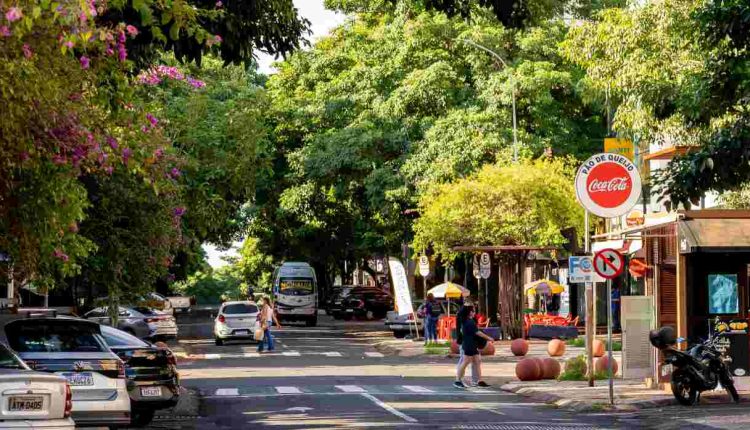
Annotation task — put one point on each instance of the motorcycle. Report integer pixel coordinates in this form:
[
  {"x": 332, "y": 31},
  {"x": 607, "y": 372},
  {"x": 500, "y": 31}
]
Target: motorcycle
[{"x": 701, "y": 368}]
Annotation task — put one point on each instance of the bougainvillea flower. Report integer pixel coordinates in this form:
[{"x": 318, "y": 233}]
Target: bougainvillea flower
[
  {"x": 61, "y": 255},
  {"x": 152, "y": 119},
  {"x": 179, "y": 211},
  {"x": 122, "y": 54},
  {"x": 85, "y": 62},
  {"x": 175, "y": 172},
  {"x": 132, "y": 31},
  {"x": 159, "y": 152},
  {"x": 27, "y": 50},
  {"x": 69, "y": 44},
  {"x": 219, "y": 4},
  {"x": 5, "y": 31},
  {"x": 14, "y": 14},
  {"x": 112, "y": 142},
  {"x": 126, "y": 153}
]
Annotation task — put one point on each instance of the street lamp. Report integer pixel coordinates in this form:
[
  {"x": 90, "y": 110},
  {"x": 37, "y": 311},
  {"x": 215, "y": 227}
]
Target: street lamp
[{"x": 513, "y": 92}]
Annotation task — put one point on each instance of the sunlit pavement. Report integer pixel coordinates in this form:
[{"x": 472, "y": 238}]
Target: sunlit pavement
[{"x": 330, "y": 376}]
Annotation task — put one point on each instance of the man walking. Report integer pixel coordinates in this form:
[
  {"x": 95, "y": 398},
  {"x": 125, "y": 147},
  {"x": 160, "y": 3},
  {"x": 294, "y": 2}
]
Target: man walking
[{"x": 432, "y": 313}]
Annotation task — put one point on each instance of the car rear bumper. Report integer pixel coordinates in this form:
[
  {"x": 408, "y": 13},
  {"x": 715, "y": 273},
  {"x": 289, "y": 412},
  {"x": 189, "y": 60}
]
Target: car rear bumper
[
  {"x": 99, "y": 419},
  {"x": 164, "y": 332},
  {"x": 103, "y": 412},
  {"x": 59, "y": 424}
]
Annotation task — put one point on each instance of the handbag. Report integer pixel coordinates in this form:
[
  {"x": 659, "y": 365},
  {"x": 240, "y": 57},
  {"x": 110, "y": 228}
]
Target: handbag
[{"x": 259, "y": 334}]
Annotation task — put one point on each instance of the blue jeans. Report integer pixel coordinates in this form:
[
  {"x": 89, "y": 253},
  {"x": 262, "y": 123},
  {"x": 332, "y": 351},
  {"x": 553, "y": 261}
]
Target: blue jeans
[
  {"x": 266, "y": 338},
  {"x": 430, "y": 328}
]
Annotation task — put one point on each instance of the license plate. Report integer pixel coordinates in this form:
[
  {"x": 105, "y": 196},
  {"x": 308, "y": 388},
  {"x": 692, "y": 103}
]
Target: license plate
[
  {"x": 399, "y": 326},
  {"x": 242, "y": 331},
  {"x": 350, "y": 311},
  {"x": 79, "y": 379},
  {"x": 25, "y": 403},
  {"x": 151, "y": 391}
]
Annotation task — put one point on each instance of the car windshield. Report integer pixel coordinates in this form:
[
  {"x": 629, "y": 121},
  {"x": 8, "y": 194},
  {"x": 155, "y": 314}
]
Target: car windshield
[
  {"x": 8, "y": 360},
  {"x": 296, "y": 286},
  {"x": 115, "y": 337},
  {"x": 53, "y": 336},
  {"x": 240, "y": 308}
]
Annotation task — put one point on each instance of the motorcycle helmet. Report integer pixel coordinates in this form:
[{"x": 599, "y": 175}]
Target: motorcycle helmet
[{"x": 663, "y": 338}]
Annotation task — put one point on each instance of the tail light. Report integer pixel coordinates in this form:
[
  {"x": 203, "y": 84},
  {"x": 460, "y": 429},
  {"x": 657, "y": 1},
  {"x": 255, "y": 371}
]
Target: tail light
[
  {"x": 120, "y": 369},
  {"x": 222, "y": 319},
  {"x": 68, "y": 401},
  {"x": 151, "y": 320},
  {"x": 410, "y": 317}
]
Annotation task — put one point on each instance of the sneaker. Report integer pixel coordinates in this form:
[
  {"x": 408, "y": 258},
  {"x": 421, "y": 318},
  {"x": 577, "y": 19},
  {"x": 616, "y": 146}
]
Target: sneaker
[
  {"x": 482, "y": 384},
  {"x": 459, "y": 384}
]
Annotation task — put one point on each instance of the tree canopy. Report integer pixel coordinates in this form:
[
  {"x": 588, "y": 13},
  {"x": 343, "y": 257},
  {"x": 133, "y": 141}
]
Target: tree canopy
[{"x": 519, "y": 204}]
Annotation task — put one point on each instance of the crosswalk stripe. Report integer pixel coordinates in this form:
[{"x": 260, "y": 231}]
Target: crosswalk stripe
[
  {"x": 351, "y": 388},
  {"x": 417, "y": 389},
  {"x": 288, "y": 390},
  {"x": 290, "y": 353},
  {"x": 332, "y": 354},
  {"x": 212, "y": 356},
  {"x": 227, "y": 392},
  {"x": 374, "y": 354},
  {"x": 251, "y": 354}
]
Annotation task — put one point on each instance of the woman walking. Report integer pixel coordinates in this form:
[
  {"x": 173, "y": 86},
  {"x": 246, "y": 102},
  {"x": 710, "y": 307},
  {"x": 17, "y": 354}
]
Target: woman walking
[
  {"x": 470, "y": 350},
  {"x": 267, "y": 317}
]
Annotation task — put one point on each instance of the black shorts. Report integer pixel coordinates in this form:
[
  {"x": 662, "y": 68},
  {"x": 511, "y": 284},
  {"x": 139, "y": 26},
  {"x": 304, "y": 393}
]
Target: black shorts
[{"x": 471, "y": 352}]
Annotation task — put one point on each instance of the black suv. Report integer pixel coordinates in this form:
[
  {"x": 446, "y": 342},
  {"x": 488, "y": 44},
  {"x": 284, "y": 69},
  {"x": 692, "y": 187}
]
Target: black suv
[{"x": 361, "y": 302}]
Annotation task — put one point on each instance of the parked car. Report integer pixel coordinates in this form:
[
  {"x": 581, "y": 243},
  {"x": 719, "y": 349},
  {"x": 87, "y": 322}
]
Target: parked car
[
  {"x": 32, "y": 399},
  {"x": 361, "y": 302},
  {"x": 142, "y": 322},
  {"x": 401, "y": 325},
  {"x": 151, "y": 374},
  {"x": 75, "y": 349},
  {"x": 158, "y": 302},
  {"x": 236, "y": 320},
  {"x": 180, "y": 304}
]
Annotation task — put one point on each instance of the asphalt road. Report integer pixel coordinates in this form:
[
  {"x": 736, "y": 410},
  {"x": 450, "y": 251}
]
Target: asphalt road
[{"x": 331, "y": 377}]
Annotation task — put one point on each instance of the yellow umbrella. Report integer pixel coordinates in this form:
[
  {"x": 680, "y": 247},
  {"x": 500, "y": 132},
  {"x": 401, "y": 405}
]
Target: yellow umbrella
[
  {"x": 448, "y": 290},
  {"x": 543, "y": 286}
]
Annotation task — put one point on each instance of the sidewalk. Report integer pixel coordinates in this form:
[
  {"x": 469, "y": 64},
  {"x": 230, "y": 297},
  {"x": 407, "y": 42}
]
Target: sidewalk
[{"x": 629, "y": 395}]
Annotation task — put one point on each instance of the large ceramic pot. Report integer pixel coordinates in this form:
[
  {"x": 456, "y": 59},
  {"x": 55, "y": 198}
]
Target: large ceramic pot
[
  {"x": 550, "y": 368},
  {"x": 602, "y": 365},
  {"x": 528, "y": 370},
  {"x": 454, "y": 347},
  {"x": 598, "y": 348},
  {"x": 519, "y": 347},
  {"x": 556, "y": 348},
  {"x": 489, "y": 349}
]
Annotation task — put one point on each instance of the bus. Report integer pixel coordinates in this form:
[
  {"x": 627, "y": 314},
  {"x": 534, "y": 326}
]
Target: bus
[{"x": 295, "y": 291}]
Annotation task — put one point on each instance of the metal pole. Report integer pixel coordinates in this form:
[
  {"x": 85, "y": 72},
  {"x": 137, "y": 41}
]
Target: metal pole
[
  {"x": 609, "y": 343},
  {"x": 513, "y": 94},
  {"x": 589, "y": 309}
]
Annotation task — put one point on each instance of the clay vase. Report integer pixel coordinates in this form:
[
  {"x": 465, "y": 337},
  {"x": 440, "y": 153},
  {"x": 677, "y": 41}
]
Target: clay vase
[
  {"x": 519, "y": 347},
  {"x": 598, "y": 348},
  {"x": 550, "y": 368},
  {"x": 602, "y": 365},
  {"x": 454, "y": 347},
  {"x": 489, "y": 349},
  {"x": 528, "y": 370},
  {"x": 556, "y": 348}
]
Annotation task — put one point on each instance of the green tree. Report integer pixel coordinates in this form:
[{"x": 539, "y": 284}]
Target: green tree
[{"x": 518, "y": 204}]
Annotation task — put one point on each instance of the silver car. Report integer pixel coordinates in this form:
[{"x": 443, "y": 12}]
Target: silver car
[
  {"x": 142, "y": 322},
  {"x": 236, "y": 320}
]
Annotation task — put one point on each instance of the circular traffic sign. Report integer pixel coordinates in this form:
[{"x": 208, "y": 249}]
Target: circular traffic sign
[
  {"x": 608, "y": 185},
  {"x": 609, "y": 263},
  {"x": 424, "y": 266},
  {"x": 485, "y": 266}
]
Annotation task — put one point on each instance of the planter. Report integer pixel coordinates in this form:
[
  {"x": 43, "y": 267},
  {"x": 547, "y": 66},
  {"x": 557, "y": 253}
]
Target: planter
[
  {"x": 519, "y": 347},
  {"x": 488, "y": 350},
  {"x": 550, "y": 368},
  {"x": 528, "y": 370},
  {"x": 556, "y": 348},
  {"x": 598, "y": 348},
  {"x": 602, "y": 365}
]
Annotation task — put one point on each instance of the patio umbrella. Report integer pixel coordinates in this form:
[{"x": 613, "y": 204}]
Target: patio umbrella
[
  {"x": 448, "y": 290},
  {"x": 543, "y": 286}
]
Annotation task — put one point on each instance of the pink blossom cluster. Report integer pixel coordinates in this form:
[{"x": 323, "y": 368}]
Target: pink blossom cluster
[
  {"x": 156, "y": 75},
  {"x": 59, "y": 254}
]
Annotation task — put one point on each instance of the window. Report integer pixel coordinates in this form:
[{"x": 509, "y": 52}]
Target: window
[
  {"x": 240, "y": 308},
  {"x": 8, "y": 360},
  {"x": 115, "y": 337},
  {"x": 723, "y": 297},
  {"x": 53, "y": 336},
  {"x": 96, "y": 313}
]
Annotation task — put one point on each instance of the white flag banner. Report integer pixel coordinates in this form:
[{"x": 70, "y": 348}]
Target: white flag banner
[{"x": 400, "y": 287}]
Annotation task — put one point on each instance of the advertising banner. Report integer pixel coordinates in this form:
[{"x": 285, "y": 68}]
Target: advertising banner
[{"x": 400, "y": 287}]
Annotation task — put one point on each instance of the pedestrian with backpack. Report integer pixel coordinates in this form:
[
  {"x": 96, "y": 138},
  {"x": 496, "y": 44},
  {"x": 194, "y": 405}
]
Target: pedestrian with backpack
[
  {"x": 432, "y": 312},
  {"x": 471, "y": 337}
]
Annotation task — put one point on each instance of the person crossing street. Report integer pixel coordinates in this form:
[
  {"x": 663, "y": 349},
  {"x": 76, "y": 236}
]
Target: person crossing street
[{"x": 267, "y": 317}]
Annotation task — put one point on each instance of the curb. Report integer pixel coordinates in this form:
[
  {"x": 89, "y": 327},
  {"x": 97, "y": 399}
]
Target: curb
[{"x": 591, "y": 405}]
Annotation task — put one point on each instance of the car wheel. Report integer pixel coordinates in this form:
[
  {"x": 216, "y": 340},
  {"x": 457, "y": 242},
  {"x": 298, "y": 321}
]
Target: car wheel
[
  {"x": 219, "y": 342},
  {"x": 399, "y": 334},
  {"x": 141, "y": 418},
  {"x": 312, "y": 322}
]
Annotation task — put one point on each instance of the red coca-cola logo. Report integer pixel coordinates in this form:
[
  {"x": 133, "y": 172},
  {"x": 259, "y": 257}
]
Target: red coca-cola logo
[{"x": 609, "y": 185}]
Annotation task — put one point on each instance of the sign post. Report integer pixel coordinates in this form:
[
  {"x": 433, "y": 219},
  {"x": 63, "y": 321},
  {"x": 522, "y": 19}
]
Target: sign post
[
  {"x": 424, "y": 270},
  {"x": 485, "y": 269},
  {"x": 609, "y": 264},
  {"x": 607, "y": 185}
]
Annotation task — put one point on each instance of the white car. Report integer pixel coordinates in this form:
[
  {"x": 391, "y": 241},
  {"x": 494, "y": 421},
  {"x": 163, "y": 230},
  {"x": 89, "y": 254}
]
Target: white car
[
  {"x": 32, "y": 400},
  {"x": 74, "y": 349},
  {"x": 142, "y": 322},
  {"x": 236, "y": 320},
  {"x": 180, "y": 304}
]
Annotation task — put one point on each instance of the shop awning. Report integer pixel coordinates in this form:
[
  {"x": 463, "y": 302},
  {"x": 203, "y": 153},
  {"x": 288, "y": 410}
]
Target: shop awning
[
  {"x": 628, "y": 246},
  {"x": 651, "y": 222},
  {"x": 714, "y": 235}
]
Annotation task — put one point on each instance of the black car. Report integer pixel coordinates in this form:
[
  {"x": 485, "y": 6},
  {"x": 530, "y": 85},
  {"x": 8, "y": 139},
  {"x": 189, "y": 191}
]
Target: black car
[
  {"x": 362, "y": 302},
  {"x": 150, "y": 371}
]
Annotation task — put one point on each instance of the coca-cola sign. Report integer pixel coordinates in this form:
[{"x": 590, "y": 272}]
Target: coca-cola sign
[{"x": 608, "y": 185}]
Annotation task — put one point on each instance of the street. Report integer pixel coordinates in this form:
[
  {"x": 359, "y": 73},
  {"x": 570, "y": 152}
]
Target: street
[{"x": 330, "y": 376}]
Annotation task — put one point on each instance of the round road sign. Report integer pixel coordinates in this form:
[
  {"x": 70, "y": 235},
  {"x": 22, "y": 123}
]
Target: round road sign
[
  {"x": 608, "y": 185},
  {"x": 608, "y": 263},
  {"x": 424, "y": 266},
  {"x": 485, "y": 266}
]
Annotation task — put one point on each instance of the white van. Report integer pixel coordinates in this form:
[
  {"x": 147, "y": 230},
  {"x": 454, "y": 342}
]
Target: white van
[{"x": 295, "y": 291}]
